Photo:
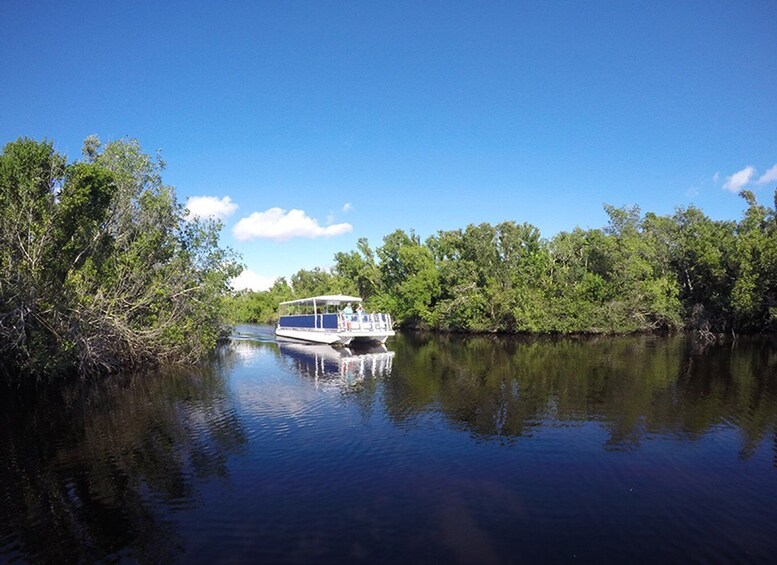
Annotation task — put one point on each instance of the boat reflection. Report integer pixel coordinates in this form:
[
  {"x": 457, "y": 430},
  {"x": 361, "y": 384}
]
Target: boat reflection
[{"x": 339, "y": 366}]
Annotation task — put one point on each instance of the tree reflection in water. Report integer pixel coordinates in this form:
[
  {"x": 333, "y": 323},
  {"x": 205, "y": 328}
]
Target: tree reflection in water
[
  {"x": 637, "y": 387},
  {"x": 555, "y": 431},
  {"x": 93, "y": 470}
]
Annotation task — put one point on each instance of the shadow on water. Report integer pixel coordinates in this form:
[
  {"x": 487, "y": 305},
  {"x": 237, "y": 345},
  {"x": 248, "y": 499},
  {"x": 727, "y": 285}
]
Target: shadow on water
[{"x": 94, "y": 470}]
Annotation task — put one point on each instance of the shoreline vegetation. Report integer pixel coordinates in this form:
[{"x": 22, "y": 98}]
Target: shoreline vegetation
[
  {"x": 100, "y": 270},
  {"x": 639, "y": 273}
]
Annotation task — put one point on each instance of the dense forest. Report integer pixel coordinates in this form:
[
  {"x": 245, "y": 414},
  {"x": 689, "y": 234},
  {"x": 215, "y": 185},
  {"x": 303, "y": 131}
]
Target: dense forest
[
  {"x": 638, "y": 273},
  {"x": 99, "y": 268}
]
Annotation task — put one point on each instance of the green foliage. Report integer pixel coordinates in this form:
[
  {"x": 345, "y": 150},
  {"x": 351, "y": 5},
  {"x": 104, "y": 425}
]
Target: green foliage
[
  {"x": 98, "y": 269},
  {"x": 754, "y": 293},
  {"x": 410, "y": 278},
  {"x": 259, "y": 307},
  {"x": 358, "y": 268},
  {"x": 638, "y": 273}
]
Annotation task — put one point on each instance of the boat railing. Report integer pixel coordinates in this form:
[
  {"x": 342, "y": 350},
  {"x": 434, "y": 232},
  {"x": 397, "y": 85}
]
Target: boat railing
[{"x": 364, "y": 321}]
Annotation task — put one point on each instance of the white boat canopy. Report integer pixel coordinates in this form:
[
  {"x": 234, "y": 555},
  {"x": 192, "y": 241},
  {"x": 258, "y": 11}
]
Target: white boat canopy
[{"x": 328, "y": 300}]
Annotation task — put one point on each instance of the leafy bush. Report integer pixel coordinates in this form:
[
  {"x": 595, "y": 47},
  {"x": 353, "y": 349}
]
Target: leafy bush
[{"x": 99, "y": 270}]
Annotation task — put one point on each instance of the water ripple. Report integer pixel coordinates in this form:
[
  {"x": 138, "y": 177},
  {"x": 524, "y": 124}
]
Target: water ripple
[{"x": 442, "y": 449}]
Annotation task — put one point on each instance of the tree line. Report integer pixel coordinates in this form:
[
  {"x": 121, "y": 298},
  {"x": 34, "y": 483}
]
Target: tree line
[
  {"x": 99, "y": 268},
  {"x": 641, "y": 272}
]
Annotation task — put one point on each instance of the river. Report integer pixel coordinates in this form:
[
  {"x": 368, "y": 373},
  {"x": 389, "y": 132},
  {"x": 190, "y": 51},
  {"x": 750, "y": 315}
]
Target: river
[{"x": 440, "y": 449}]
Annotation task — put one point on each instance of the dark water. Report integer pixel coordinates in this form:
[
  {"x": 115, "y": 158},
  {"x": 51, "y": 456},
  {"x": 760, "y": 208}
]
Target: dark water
[{"x": 451, "y": 449}]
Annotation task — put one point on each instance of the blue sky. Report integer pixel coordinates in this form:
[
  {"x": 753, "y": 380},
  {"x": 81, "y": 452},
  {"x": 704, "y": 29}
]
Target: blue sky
[{"x": 324, "y": 122}]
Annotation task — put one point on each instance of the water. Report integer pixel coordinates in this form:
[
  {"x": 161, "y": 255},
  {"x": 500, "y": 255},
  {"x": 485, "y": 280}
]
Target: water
[{"x": 454, "y": 449}]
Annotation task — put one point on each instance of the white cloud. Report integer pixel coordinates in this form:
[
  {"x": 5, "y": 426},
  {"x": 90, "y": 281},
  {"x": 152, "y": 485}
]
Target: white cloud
[
  {"x": 279, "y": 225},
  {"x": 347, "y": 207},
  {"x": 769, "y": 176},
  {"x": 739, "y": 179},
  {"x": 716, "y": 177},
  {"x": 251, "y": 281},
  {"x": 210, "y": 207}
]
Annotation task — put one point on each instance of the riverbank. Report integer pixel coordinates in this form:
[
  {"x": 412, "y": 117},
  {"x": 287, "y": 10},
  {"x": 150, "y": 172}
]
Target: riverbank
[
  {"x": 640, "y": 272},
  {"x": 100, "y": 268}
]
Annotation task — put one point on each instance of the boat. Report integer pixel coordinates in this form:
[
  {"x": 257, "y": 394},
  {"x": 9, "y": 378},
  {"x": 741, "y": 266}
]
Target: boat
[{"x": 333, "y": 320}]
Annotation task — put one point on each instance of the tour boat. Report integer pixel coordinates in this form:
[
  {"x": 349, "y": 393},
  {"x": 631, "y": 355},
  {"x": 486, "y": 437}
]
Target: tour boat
[{"x": 336, "y": 319}]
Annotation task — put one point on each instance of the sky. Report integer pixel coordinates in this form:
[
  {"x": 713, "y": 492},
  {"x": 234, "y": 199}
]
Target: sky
[{"x": 305, "y": 126}]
